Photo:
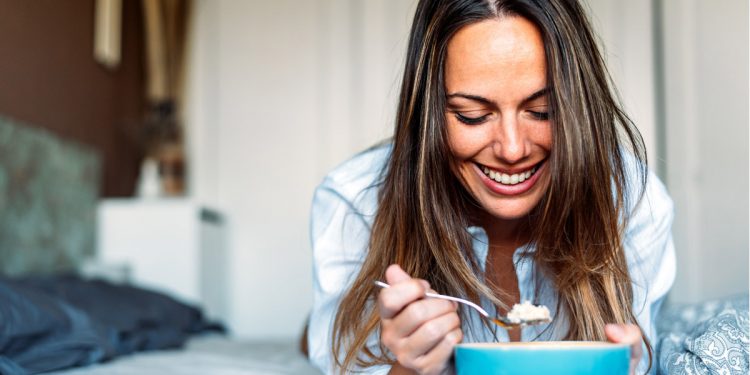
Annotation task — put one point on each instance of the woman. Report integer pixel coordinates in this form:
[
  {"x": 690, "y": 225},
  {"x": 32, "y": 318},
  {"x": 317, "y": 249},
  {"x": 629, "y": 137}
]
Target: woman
[{"x": 512, "y": 175}]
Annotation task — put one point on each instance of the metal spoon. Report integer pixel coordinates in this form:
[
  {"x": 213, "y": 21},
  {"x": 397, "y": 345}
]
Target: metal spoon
[{"x": 502, "y": 321}]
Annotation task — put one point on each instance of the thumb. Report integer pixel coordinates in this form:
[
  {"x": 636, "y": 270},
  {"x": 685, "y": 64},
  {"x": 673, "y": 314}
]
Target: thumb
[{"x": 394, "y": 274}]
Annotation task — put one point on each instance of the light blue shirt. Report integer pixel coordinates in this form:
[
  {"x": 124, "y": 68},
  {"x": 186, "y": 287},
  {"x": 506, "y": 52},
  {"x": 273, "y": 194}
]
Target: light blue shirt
[{"x": 343, "y": 209}]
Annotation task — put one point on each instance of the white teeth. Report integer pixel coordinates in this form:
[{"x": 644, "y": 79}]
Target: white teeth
[{"x": 507, "y": 179}]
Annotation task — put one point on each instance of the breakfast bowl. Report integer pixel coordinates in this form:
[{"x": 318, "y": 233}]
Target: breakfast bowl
[{"x": 543, "y": 357}]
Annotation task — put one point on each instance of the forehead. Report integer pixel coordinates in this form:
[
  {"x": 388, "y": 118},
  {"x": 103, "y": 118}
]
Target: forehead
[{"x": 498, "y": 56}]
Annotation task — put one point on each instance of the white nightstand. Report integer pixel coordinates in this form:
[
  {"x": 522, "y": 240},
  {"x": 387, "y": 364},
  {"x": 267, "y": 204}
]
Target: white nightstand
[{"x": 173, "y": 246}]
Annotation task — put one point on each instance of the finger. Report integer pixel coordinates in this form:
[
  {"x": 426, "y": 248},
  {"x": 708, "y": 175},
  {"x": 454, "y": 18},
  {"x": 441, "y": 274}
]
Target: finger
[
  {"x": 420, "y": 312},
  {"x": 623, "y": 333},
  {"x": 439, "y": 357},
  {"x": 635, "y": 338},
  {"x": 394, "y": 299},
  {"x": 627, "y": 334},
  {"x": 430, "y": 334},
  {"x": 394, "y": 274}
]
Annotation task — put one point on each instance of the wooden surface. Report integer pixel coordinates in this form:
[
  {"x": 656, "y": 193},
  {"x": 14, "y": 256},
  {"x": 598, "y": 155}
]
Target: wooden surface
[{"x": 51, "y": 80}]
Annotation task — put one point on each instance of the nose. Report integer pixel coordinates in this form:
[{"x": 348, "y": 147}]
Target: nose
[{"x": 510, "y": 141}]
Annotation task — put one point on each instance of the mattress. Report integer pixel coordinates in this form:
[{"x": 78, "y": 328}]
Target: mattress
[{"x": 213, "y": 354}]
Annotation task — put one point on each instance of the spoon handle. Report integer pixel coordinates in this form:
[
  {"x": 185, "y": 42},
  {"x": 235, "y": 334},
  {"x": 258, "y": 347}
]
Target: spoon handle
[{"x": 441, "y": 296}]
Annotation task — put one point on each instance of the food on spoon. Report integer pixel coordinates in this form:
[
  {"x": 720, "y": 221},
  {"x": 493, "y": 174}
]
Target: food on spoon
[{"x": 525, "y": 312}]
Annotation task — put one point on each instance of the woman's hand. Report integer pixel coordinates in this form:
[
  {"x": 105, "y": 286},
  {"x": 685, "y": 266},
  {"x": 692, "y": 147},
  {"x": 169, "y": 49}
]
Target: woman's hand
[
  {"x": 420, "y": 332},
  {"x": 627, "y": 334}
]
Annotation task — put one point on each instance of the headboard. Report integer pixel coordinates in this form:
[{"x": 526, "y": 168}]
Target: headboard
[{"x": 48, "y": 193}]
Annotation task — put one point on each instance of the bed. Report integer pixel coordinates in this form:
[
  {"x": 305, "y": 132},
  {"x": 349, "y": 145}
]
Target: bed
[
  {"x": 711, "y": 337},
  {"x": 56, "y": 319},
  {"x": 66, "y": 324},
  {"x": 210, "y": 354}
]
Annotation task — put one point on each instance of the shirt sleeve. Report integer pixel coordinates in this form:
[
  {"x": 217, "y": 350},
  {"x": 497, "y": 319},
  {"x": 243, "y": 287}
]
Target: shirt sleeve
[
  {"x": 651, "y": 259},
  {"x": 340, "y": 235}
]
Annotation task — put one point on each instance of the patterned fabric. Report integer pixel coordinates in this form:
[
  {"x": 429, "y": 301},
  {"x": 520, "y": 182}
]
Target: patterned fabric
[
  {"x": 708, "y": 338},
  {"x": 49, "y": 188}
]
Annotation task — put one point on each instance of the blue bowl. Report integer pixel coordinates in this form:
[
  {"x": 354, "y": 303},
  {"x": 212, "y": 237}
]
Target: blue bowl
[{"x": 550, "y": 357}]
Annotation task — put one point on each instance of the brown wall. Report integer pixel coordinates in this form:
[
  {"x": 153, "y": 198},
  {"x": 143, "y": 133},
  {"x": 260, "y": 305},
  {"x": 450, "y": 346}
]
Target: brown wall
[{"x": 48, "y": 78}]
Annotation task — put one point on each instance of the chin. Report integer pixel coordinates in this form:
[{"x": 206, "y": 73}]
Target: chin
[{"x": 509, "y": 213}]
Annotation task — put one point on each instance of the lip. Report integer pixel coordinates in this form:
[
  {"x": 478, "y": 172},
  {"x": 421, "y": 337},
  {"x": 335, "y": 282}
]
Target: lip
[{"x": 511, "y": 190}]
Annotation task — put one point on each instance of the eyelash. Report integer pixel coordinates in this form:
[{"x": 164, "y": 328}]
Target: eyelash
[
  {"x": 539, "y": 116},
  {"x": 471, "y": 120}
]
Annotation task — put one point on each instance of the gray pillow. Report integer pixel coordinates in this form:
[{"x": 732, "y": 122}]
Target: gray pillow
[{"x": 709, "y": 338}]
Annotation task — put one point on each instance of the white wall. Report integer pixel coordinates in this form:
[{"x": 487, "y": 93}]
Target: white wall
[
  {"x": 626, "y": 33},
  {"x": 705, "y": 151},
  {"x": 706, "y": 76},
  {"x": 280, "y": 92}
]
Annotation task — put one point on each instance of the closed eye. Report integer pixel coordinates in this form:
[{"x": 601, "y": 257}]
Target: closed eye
[
  {"x": 471, "y": 120},
  {"x": 539, "y": 115}
]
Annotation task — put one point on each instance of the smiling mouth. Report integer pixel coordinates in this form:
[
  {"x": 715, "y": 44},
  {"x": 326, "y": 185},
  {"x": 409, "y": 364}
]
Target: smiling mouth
[{"x": 509, "y": 179}]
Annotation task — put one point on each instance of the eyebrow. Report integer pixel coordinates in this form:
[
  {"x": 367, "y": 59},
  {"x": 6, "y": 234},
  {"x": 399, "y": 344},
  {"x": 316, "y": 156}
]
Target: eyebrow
[{"x": 484, "y": 100}]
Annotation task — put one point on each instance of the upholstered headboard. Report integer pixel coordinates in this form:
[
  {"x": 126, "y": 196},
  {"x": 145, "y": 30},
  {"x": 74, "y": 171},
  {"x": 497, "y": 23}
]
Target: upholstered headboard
[{"x": 48, "y": 193}]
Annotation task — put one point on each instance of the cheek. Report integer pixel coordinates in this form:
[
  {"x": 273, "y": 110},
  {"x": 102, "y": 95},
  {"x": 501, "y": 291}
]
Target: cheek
[
  {"x": 465, "y": 141},
  {"x": 539, "y": 139},
  {"x": 456, "y": 150},
  {"x": 543, "y": 136}
]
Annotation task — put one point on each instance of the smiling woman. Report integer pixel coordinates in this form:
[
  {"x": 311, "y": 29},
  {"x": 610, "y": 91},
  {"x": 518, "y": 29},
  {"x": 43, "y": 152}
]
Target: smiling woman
[
  {"x": 498, "y": 116},
  {"x": 513, "y": 175}
]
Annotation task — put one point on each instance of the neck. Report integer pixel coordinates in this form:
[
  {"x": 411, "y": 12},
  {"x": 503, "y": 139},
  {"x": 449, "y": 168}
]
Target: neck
[{"x": 505, "y": 235}]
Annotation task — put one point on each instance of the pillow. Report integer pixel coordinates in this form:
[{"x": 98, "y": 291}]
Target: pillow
[
  {"x": 706, "y": 339},
  {"x": 130, "y": 319},
  {"x": 51, "y": 323},
  {"x": 41, "y": 333}
]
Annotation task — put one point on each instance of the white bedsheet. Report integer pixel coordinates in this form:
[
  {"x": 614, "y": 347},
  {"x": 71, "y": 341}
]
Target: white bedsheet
[{"x": 210, "y": 355}]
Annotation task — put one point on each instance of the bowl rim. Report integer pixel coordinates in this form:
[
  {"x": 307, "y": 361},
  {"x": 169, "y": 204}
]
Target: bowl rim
[{"x": 542, "y": 345}]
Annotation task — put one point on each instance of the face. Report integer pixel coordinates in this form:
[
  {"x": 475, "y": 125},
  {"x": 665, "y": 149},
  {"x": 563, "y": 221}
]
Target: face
[{"x": 497, "y": 114}]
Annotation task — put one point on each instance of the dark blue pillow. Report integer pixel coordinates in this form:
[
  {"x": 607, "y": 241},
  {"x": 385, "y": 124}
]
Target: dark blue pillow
[
  {"x": 41, "y": 333},
  {"x": 52, "y": 323},
  {"x": 131, "y": 319}
]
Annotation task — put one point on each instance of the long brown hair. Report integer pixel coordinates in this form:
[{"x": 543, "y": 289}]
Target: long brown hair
[{"x": 576, "y": 229}]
